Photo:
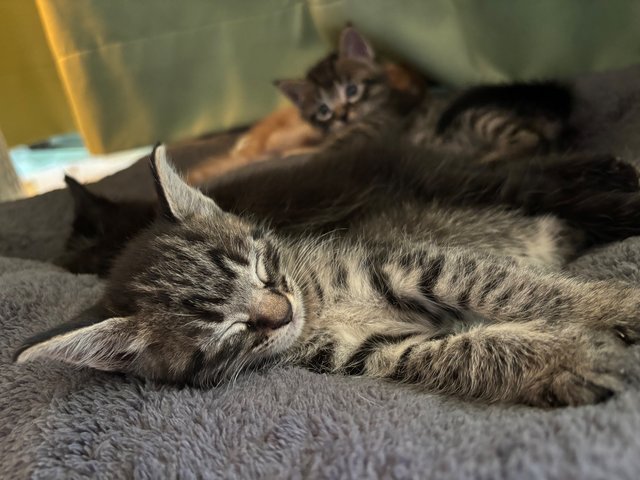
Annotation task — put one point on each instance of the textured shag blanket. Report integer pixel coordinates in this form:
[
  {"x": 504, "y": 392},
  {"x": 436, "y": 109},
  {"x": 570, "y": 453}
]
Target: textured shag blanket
[{"x": 58, "y": 422}]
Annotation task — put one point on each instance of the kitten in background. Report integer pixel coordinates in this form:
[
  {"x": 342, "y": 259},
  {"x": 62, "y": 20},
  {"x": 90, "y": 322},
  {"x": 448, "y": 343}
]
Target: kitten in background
[
  {"x": 305, "y": 125},
  {"x": 491, "y": 122}
]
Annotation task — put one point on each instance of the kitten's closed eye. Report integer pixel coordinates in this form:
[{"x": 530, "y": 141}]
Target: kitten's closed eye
[
  {"x": 268, "y": 267},
  {"x": 262, "y": 273}
]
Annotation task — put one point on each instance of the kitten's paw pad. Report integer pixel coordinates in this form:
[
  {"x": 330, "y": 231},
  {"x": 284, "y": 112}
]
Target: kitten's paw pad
[
  {"x": 591, "y": 370},
  {"x": 571, "y": 389}
]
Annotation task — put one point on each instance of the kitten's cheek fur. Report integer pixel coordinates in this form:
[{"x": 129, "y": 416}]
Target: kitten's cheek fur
[{"x": 285, "y": 337}]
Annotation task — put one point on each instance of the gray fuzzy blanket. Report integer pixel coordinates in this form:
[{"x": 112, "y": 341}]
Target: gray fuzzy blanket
[{"x": 57, "y": 422}]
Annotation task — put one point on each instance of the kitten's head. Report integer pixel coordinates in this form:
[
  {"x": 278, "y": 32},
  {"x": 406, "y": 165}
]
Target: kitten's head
[
  {"x": 342, "y": 88},
  {"x": 194, "y": 299},
  {"x": 100, "y": 228}
]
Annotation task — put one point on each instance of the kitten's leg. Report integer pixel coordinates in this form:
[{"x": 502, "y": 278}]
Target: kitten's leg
[
  {"x": 216, "y": 167},
  {"x": 287, "y": 140},
  {"x": 528, "y": 363},
  {"x": 598, "y": 173},
  {"x": 521, "y": 142},
  {"x": 504, "y": 291},
  {"x": 595, "y": 172},
  {"x": 603, "y": 216},
  {"x": 557, "y": 330}
]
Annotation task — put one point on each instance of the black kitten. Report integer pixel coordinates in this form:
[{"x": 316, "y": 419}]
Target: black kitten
[{"x": 100, "y": 228}]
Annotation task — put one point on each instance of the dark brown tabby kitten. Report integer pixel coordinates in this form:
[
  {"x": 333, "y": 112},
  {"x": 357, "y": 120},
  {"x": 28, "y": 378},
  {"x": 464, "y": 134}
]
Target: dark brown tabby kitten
[
  {"x": 433, "y": 284},
  {"x": 492, "y": 122},
  {"x": 342, "y": 88}
]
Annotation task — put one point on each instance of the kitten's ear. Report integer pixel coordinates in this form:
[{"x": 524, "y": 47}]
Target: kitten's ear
[
  {"x": 105, "y": 344},
  {"x": 178, "y": 200},
  {"x": 294, "y": 90},
  {"x": 81, "y": 195},
  {"x": 353, "y": 45},
  {"x": 90, "y": 209}
]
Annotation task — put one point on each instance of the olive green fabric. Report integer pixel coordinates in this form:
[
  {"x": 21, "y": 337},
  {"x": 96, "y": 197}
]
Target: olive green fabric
[
  {"x": 32, "y": 101},
  {"x": 138, "y": 71},
  {"x": 470, "y": 41}
]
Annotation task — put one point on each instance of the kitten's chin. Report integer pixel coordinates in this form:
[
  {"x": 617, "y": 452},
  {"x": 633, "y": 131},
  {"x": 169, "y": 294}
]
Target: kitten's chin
[{"x": 283, "y": 338}]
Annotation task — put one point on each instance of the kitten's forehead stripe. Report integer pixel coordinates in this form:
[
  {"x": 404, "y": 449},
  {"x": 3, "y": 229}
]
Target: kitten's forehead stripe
[
  {"x": 219, "y": 259},
  {"x": 273, "y": 256},
  {"x": 324, "y": 73},
  {"x": 238, "y": 258}
]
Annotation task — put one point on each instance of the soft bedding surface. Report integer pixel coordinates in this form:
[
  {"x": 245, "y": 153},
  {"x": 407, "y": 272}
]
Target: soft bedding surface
[{"x": 58, "y": 422}]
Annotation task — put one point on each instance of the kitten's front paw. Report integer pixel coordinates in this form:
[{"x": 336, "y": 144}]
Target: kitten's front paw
[
  {"x": 606, "y": 173},
  {"x": 624, "y": 174},
  {"x": 592, "y": 372},
  {"x": 566, "y": 388}
]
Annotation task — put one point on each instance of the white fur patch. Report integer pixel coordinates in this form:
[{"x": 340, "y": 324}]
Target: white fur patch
[{"x": 542, "y": 248}]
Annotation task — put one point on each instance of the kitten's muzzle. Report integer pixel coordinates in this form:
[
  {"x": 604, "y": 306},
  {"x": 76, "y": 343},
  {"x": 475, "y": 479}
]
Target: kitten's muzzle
[
  {"x": 341, "y": 112},
  {"x": 270, "y": 310}
]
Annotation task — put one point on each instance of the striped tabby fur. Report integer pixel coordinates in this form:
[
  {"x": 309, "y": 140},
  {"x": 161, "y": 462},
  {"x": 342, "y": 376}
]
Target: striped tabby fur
[
  {"x": 491, "y": 122},
  {"x": 449, "y": 299}
]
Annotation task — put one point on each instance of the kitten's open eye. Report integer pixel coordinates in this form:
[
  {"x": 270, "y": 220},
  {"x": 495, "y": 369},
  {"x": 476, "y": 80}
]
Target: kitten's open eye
[
  {"x": 324, "y": 112},
  {"x": 353, "y": 92}
]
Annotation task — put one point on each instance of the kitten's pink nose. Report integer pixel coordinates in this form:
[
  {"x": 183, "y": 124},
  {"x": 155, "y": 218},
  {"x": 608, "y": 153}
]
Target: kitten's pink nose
[
  {"x": 270, "y": 311},
  {"x": 340, "y": 112}
]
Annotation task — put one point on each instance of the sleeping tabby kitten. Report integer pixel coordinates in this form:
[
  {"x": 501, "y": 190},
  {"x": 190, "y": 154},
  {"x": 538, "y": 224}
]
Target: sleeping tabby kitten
[
  {"x": 438, "y": 289},
  {"x": 492, "y": 122}
]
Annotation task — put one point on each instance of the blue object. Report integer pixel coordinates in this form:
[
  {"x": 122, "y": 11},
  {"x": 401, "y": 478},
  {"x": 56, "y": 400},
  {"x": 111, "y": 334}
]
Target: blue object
[{"x": 58, "y": 152}]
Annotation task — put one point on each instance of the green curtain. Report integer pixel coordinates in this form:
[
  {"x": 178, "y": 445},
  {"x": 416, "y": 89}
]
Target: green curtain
[
  {"x": 470, "y": 41},
  {"x": 32, "y": 101},
  {"x": 138, "y": 71}
]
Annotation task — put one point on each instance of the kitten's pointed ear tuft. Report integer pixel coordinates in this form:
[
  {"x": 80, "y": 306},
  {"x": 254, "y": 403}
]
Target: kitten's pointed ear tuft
[
  {"x": 73, "y": 184},
  {"x": 178, "y": 200},
  {"x": 294, "y": 90},
  {"x": 353, "y": 45},
  {"x": 90, "y": 209},
  {"x": 108, "y": 345},
  {"x": 81, "y": 195}
]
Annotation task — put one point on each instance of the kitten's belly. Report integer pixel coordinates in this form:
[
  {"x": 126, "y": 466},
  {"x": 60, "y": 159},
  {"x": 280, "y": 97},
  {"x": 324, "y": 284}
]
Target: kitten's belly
[{"x": 543, "y": 240}]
